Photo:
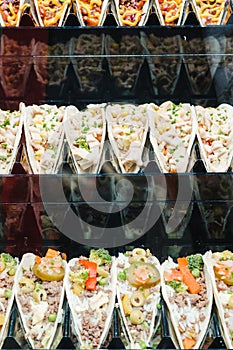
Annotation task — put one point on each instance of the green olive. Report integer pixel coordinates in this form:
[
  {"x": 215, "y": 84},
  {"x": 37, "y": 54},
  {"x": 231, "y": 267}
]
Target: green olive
[{"x": 136, "y": 317}]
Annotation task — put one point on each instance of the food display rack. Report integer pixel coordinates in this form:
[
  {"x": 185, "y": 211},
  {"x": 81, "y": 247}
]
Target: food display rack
[{"x": 25, "y": 225}]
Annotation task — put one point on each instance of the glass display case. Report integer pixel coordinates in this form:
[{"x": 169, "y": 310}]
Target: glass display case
[{"x": 172, "y": 214}]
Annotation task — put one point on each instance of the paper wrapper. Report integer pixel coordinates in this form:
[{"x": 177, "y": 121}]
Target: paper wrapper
[
  {"x": 127, "y": 132},
  {"x": 91, "y": 13},
  {"x": 50, "y": 328},
  {"x": 124, "y": 70},
  {"x": 131, "y": 14},
  {"x": 201, "y": 69},
  {"x": 172, "y": 144},
  {"x": 88, "y": 70},
  {"x": 55, "y": 19},
  {"x": 215, "y": 137},
  {"x": 44, "y": 137},
  {"x": 50, "y": 69},
  {"x": 192, "y": 310},
  {"x": 126, "y": 294},
  {"x": 15, "y": 69},
  {"x": 85, "y": 133},
  {"x": 100, "y": 304},
  {"x": 208, "y": 14},
  {"x": 164, "y": 71},
  {"x": 11, "y": 132}
]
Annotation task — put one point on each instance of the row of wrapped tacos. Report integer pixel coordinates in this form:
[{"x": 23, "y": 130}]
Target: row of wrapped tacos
[
  {"x": 93, "y": 12},
  {"x": 135, "y": 282},
  {"x": 172, "y": 131}
]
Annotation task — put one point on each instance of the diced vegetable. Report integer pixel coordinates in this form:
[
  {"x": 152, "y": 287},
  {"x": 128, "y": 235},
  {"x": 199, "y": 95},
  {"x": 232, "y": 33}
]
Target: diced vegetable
[
  {"x": 52, "y": 317},
  {"x": 189, "y": 343},
  {"x": 195, "y": 264},
  {"x": 100, "y": 256},
  {"x": 193, "y": 286}
]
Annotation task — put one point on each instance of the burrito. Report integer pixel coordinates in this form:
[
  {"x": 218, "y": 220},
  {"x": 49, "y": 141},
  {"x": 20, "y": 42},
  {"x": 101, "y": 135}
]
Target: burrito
[
  {"x": 172, "y": 134},
  {"x": 39, "y": 293},
  {"x": 91, "y": 289},
  {"x": 138, "y": 294},
  {"x": 10, "y": 135},
  {"x": 220, "y": 265},
  {"x": 44, "y": 136},
  {"x": 85, "y": 133},
  {"x": 8, "y": 268},
  {"x": 127, "y": 132},
  {"x": 215, "y": 136},
  {"x": 187, "y": 291}
]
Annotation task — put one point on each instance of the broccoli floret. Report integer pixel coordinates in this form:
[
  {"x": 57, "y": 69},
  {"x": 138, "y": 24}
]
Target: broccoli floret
[
  {"x": 195, "y": 263},
  {"x": 179, "y": 287},
  {"x": 100, "y": 256}
]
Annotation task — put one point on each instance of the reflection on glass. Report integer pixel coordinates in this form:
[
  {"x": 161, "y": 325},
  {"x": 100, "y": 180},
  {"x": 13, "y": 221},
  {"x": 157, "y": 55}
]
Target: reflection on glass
[
  {"x": 88, "y": 70},
  {"x": 51, "y": 68},
  {"x": 164, "y": 70},
  {"x": 201, "y": 69},
  {"x": 15, "y": 66},
  {"x": 124, "y": 70},
  {"x": 214, "y": 194}
]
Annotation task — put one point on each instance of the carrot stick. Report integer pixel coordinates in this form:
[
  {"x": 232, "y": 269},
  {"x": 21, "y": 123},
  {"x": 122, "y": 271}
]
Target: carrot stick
[
  {"x": 193, "y": 286},
  {"x": 38, "y": 259},
  {"x": 188, "y": 343}
]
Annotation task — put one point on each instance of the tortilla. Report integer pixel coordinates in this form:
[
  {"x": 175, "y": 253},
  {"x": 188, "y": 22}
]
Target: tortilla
[
  {"x": 44, "y": 135},
  {"x": 189, "y": 312},
  {"x": 85, "y": 133},
  {"x": 37, "y": 302},
  {"x": 127, "y": 132},
  {"x": 172, "y": 134},
  {"x": 138, "y": 302},
  {"x": 91, "y": 309}
]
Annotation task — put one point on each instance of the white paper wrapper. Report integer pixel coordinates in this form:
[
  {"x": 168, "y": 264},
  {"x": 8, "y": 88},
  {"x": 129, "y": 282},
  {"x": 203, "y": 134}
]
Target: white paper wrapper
[
  {"x": 164, "y": 71},
  {"x": 11, "y": 130},
  {"x": 37, "y": 327},
  {"x": 91, "y": 13},
  {"x": 85, "y": 133},
  {"x": 55, "y": 18},
  {"x": 186, "y": 314},
  {"x": 127, "y": 132},
  {"x": 128, "y": 296},
  {"x": 44, "y": 134},
  {"x": 92, "y": 310},
  {"x": 172, "y": 133},
  {"x": 215, "y": 136}
]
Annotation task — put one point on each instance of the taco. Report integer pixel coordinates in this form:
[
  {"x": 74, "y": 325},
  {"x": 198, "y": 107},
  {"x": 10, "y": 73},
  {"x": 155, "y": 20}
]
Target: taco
[
  {"x": 11, "y": 12},
  {"x": 172, "y": 134},
  {"x": 211, "y": 12},
  {"x": 10, "y": 135},
  {"x": 170, "y": 12},
  {"x": 138, "y": 294},
  {"x": 220, "y": 265},
  {"x": 187, "y": 291},
  {"x": 215, "y": 136},
  {"x": 91, "y": 12},
  {"x": 90, "y": 289},
  {"x": 8, "y": 268},
  {"x": 85, "y": 133},
  {"x": 39, "y": 293},
  {"x": 131, "y": 13},
  {"x": 44, "y": 135},
  {"x": 50, "y": 13},
  {"x": 127, "y": 132}
]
